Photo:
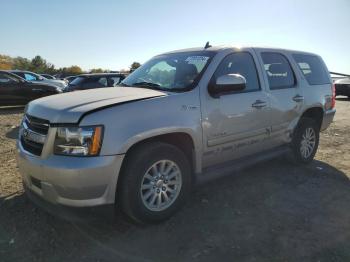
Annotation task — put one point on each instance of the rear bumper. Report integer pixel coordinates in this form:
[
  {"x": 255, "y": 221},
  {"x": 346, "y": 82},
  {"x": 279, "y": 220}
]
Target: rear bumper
[
  {"x": 70, "y": 181},
  {"x": 327, "y": 119}
]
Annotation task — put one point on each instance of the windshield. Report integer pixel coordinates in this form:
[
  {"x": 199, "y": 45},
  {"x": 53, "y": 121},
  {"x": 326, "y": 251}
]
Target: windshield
[
  {"x": 77, "y": 81},
  {"x": 171, "y": 72}
]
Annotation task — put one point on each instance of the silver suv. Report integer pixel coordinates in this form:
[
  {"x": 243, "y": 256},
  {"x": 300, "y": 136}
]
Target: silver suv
[{"x": 181, "y": 118}]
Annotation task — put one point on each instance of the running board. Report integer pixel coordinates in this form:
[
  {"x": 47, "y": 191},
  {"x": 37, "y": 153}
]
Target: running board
[{"x": 228, "y": 168}]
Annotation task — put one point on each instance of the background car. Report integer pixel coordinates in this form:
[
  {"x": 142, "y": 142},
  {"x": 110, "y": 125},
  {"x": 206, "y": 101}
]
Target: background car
[
  {"x": 15, "y": 90},
  {"x": 342, "y": 87},
  {"x": 33, "y": 77},
  {"x": 70, "y": 78},
  {"x": 90, "y": 81},
  {"x": 47, "y": 76}
]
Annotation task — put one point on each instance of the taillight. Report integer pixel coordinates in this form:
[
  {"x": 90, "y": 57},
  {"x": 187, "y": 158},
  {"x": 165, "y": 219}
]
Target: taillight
[{"x": 333, "y": 96}]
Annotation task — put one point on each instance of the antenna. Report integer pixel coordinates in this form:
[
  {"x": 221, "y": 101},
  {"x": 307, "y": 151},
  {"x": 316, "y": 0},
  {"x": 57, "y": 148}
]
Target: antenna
[{"x": 207, "y": 45}]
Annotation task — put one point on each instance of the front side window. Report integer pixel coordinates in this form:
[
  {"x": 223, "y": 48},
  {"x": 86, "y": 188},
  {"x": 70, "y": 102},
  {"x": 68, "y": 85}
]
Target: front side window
[
  {"x": 278, "y": 70},
  {"x": 29, "y": 77},
  {"x": 242, "y": 64},
  {"x": 312, "y": 68},
  {"x": 103, "y": 81},
  {"x": 114, "y": 80},
  {"x": 171, "y": 72}
]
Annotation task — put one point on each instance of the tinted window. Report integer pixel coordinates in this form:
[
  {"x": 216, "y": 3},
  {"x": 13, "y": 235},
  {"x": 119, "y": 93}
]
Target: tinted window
[
  {"x": 77, "y": 81},
  {"x": 94, "y": 82},
  {"x": 114, "y": 80},
  {"x": 29, "y": 77},
  {"x": 312, "y": 68},
  {"x": 5, "y": 79},
  {"x": 278, "y": 70},
  {"x": 243, "y": 64}
]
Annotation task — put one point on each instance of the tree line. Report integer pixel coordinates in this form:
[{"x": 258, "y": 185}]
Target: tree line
[{"x": 41, "y": 66}]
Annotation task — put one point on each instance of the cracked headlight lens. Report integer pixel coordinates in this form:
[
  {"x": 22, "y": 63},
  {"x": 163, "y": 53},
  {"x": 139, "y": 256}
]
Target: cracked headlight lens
[{"x": 78, "y": 141}]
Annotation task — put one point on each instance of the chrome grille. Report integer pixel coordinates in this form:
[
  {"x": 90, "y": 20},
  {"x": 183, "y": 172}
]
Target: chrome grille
[
  {"x": 33, "y": 134},
  {"x": 38, "y": 125}
]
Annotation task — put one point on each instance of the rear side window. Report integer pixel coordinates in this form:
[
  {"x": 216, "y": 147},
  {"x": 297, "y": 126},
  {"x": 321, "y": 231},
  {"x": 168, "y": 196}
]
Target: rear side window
[
  {"x": 312, "y": 68},
  {"x": 278, "y": 70},
  {"x": 243, "y": 64},
  {"x": 6, "y": 79}
]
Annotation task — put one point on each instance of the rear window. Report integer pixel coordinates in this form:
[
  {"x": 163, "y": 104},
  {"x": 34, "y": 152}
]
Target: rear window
[{"x": 312, "y": 68}]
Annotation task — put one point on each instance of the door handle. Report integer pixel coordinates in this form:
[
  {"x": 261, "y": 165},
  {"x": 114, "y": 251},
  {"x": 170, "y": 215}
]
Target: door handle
[
  {"x": 37, "y": 90},
  {"x": 259, "y": 104},
  {"x": 298, "y": 98}
]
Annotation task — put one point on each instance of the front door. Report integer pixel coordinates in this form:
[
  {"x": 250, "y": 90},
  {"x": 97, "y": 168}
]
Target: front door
[{"x": 236, "y": 124}]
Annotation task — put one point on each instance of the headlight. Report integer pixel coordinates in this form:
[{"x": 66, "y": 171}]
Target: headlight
[
  {"x": 59, "y": 89},
  {"x": 78, "y": 141}
]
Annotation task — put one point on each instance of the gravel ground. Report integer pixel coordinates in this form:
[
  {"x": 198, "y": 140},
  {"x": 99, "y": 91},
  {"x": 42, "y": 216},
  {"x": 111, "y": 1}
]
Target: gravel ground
[{"x": 270, "y": 212}]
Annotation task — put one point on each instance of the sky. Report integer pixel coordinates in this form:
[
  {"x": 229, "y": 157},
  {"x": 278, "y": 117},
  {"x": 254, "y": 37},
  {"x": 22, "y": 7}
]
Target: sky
[{"x": 111, "y": 34}]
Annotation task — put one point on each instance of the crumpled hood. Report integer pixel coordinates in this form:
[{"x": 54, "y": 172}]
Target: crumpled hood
[{"x": 70, "y": 107}]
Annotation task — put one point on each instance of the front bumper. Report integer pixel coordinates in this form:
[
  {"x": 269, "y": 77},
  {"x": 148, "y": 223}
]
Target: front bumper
[
  {"x": 70, "y": 181},
  {"x": 327, "y": 119}
]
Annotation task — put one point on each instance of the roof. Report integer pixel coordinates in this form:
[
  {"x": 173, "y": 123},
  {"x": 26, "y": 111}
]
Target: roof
[
  {"x": 235, "y": 47},
  {"x": 10, "y": 73},
  {"x": 101, "y": 74}
]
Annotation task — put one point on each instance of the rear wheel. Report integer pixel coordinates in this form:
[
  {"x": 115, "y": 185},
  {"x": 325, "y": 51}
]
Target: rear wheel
[
  {"x": 155, "y": 182},
  {"x": 305, "y": 141}
]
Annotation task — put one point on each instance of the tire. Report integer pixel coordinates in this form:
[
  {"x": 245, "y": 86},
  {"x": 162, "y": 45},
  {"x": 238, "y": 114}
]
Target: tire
[
  {"x": 139, "y": 162},
  {"x": 304, "y": 152}
]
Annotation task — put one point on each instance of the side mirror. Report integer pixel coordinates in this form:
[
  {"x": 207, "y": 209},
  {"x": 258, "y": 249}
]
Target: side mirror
[{"x": 227, "y": 84}]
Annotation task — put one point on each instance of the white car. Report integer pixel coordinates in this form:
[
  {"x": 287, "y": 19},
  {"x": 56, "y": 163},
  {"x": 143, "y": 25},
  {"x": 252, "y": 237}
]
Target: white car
[{"x": 33, "y": 77}]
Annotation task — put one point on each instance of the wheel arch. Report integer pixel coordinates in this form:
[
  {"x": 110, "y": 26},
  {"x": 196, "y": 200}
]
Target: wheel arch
[
  {"x": 181, "y": 139},
  {"x": 315, "y": 112}
]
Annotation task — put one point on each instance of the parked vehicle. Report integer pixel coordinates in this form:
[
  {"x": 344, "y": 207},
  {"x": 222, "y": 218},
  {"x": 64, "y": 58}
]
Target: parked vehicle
[
  {"x": 90, "y": 81},
  {"x": 342, "y": 87},
  {"x": 47, "y": 76},
  {"x": 70, "y": 78},
  {"x": 33, "y": 77},
  {"x": 15, "y": 90},
  {"x": 181, "y": 118}
]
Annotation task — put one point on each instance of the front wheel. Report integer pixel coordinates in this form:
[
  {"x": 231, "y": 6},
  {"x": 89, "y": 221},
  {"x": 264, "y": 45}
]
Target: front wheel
[
  {"x": 305, "y": 141},
  {"x": 155, "y": 182}
]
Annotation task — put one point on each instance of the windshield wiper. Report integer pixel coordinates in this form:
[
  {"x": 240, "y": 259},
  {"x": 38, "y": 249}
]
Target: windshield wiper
[
  {"x": 147, "y": 84},
  {"x": 123, "y": 84}
]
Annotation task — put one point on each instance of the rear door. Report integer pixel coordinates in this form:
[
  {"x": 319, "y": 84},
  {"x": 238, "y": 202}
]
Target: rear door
[{"x": 285, "y": 93}]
